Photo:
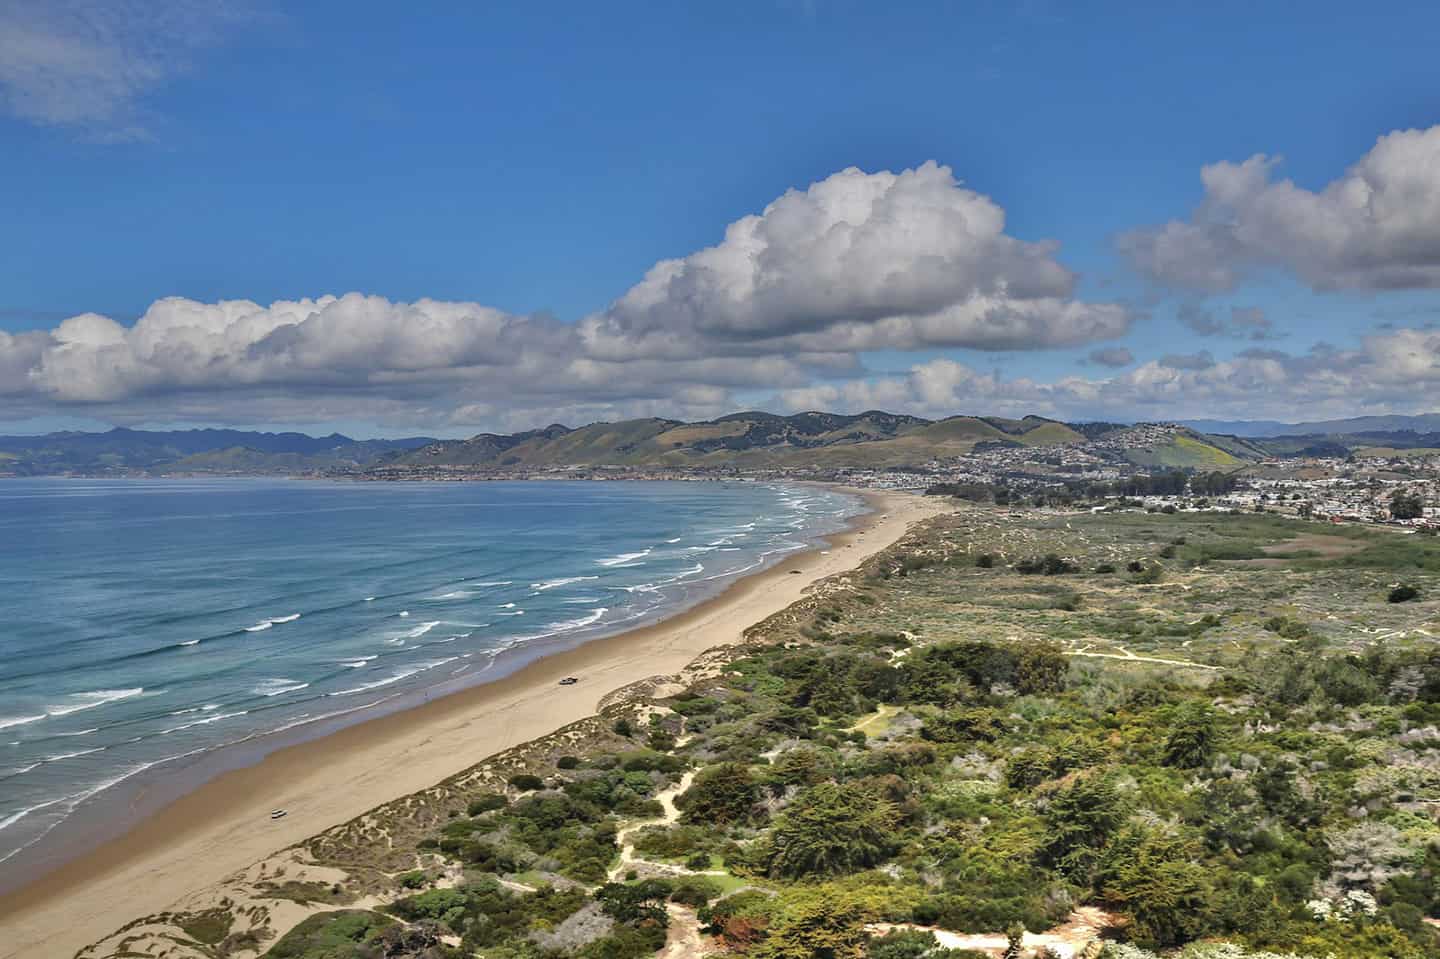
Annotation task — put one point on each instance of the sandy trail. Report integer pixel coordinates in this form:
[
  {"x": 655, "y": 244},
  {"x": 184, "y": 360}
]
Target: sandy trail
[
  {"x": 1067, "y": 940},
  {"x": 666, "y": 799},
  {"x": 223, "y": 826}
]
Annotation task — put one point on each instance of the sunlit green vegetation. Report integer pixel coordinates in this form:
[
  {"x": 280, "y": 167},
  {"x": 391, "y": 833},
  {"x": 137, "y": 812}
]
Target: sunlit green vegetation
[{"x": 1214, "y": 732}]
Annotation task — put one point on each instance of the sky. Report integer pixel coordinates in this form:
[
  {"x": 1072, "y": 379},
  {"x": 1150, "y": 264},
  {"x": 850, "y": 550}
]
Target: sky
[{"x": 443, "y": 218}]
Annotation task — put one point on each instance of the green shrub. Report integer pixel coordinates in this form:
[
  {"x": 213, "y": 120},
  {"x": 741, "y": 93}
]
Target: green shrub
[
  {"x": 720, "y": 795},
  {"x": 414, "y": 879},
  {"x": 1051, "y": 564},
  {"x": 208, "y": 927},
  {"x": 330, "y": 934},
  {"x": 649, "y": 760},
  {"x": 695, "y": 891},
  {"x": 671, "y": 842},
  {"x": 485, "y": 802},
  {"x": 831, "y": 830}
]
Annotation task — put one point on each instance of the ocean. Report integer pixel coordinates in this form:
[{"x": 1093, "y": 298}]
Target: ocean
[{"x": 147, "y": 624}]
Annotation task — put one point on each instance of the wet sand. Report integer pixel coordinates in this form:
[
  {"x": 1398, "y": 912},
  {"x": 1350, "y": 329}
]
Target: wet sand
[{"x": 224, "y": 825}]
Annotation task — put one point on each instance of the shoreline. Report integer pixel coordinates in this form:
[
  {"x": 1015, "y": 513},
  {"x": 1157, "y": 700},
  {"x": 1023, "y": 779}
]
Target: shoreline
[
  {"x": 223, "y": 825},
  {"x": 116, "y": 810}
]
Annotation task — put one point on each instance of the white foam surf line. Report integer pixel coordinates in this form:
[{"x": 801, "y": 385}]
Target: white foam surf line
[
  {"x": 307, "y": 718},
  {"x": 395, "y": 678},
  {"x": 9, "y": 721},
  {"x": 641, "y": 588},
  {"x": 58, "y": 757},
  {"x": 75, "y": 800},
  {"x": 421, "y": 630},
  {"x": 622, "y": 558},
  {"x": 760, "y": 561},
  {"x": 555, "y": 583},
  {"x": 388, "y": 681},
  {"x": 278, "y": 686},
  {"x": 272, "y": 621},
  {"x": 552, "y": 629},
  {"x": 12, "y": 819},
  {"x": 92, "y": 700},
  {"x": 195, "y": 709},
  {"x": 204, "y": 722}
]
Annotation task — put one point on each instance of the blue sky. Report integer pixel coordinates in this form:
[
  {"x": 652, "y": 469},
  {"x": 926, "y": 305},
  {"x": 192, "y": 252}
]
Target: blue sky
[{"x": 541, "y": 158}]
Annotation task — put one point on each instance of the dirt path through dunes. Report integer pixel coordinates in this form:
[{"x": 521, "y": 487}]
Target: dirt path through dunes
[
  {"x": 1068, "y": 940},
  {"x": 666, "y": 799},
  {"x": 1130, "y": 657}
]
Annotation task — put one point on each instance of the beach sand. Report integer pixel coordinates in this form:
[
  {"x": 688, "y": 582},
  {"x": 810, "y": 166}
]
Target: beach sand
[{"x": 224, "y": 825}]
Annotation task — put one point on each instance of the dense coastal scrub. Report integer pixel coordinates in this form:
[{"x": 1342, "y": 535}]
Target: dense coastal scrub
[{"x": 1111, "y": 736}]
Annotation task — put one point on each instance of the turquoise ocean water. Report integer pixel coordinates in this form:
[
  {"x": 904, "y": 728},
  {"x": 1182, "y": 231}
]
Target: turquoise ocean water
[{"x": 146, "y": 625}]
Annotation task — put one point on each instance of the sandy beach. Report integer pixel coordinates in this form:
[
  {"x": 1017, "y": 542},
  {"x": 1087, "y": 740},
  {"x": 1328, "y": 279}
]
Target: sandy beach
[{"x": 224, "y": 825}]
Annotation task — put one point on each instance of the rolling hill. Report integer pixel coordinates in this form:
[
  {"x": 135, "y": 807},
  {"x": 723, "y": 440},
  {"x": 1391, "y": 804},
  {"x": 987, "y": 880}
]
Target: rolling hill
[
  {"x": 873, "y": 439},
  {"x": 125, "y": 451},
  {"x": 748, "y": 440}
]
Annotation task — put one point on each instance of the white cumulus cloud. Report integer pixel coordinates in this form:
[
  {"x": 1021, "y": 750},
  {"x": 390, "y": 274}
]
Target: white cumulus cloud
[
  {"x": 1376, "y": 227},
  {"x": 793, "y": 295},
  {"x": 860, "y": 261}
]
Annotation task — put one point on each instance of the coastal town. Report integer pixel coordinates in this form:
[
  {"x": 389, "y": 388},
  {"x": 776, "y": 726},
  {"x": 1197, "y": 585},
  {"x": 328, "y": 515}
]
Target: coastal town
[{"x": 1362, "y": 487}]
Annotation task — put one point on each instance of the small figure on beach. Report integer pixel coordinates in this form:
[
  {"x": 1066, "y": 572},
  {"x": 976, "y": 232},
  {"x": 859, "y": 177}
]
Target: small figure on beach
[{"x": 569, "y": 681}]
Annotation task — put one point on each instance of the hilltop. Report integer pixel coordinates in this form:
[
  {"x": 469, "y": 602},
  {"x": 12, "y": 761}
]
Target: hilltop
[
  {"x": 123, "y": 451},
  {"x": 749, "y": 440},
  {"x": 816, "y": 440},
  {"x": 753, "y": 440}
]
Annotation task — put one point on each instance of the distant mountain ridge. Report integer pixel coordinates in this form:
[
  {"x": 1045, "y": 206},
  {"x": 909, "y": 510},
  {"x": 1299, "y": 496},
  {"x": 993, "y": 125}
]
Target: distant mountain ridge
[
  {"x": 1419, "y": 423},
  {"x": 123, "y": 450},
  {"x": 747, "y": 440},
  {"x": 814, "y": 440}
]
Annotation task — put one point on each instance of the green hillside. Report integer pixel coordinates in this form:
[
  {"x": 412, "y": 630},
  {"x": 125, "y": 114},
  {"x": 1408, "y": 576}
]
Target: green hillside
[
  {"x": 759, "y": 440},
  {"x": 1185, "y": 452}
]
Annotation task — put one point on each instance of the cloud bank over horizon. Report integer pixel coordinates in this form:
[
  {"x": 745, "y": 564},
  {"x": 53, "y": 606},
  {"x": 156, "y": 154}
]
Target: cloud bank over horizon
[
  {"x": 784, "y": 311},
  {"x": 857, "y": 262}
]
